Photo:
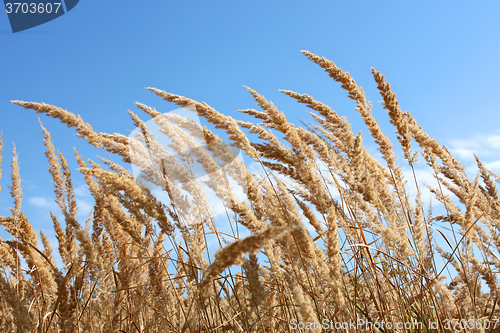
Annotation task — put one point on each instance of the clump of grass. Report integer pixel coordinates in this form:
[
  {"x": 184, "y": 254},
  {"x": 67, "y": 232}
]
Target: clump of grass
[{"x": 326, "y": 247}]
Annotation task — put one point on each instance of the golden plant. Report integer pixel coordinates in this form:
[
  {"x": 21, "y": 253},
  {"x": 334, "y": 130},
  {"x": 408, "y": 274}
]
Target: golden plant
[{"x": 326, "y": 247}]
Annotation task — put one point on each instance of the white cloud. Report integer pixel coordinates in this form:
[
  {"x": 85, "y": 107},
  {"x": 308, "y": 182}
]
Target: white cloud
[
  {"x": 494, "y": 141},
  {"x": 493, "y": 166},
  {"x": 84, "y": 205},
  {"x": 463, "y": 153},
  {"x": 42, "y": 202},
  {"x": 81, "y": 191},
  {"x": 483, "y": 145}
]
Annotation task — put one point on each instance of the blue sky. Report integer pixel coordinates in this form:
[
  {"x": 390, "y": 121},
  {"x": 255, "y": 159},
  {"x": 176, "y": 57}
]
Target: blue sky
[{"x": 442, "y": 60}]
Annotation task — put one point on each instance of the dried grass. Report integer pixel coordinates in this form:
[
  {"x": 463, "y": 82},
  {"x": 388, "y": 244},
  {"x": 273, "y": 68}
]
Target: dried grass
[{"x": 328, "y": 247}]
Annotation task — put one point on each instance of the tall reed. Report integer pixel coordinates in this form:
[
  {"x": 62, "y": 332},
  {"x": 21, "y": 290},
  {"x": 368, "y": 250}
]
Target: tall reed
[{"x": 335, "y": 242}]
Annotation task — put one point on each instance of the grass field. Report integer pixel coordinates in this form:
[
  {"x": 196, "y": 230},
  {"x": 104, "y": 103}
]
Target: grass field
[{"x": 334, "y": 241}]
